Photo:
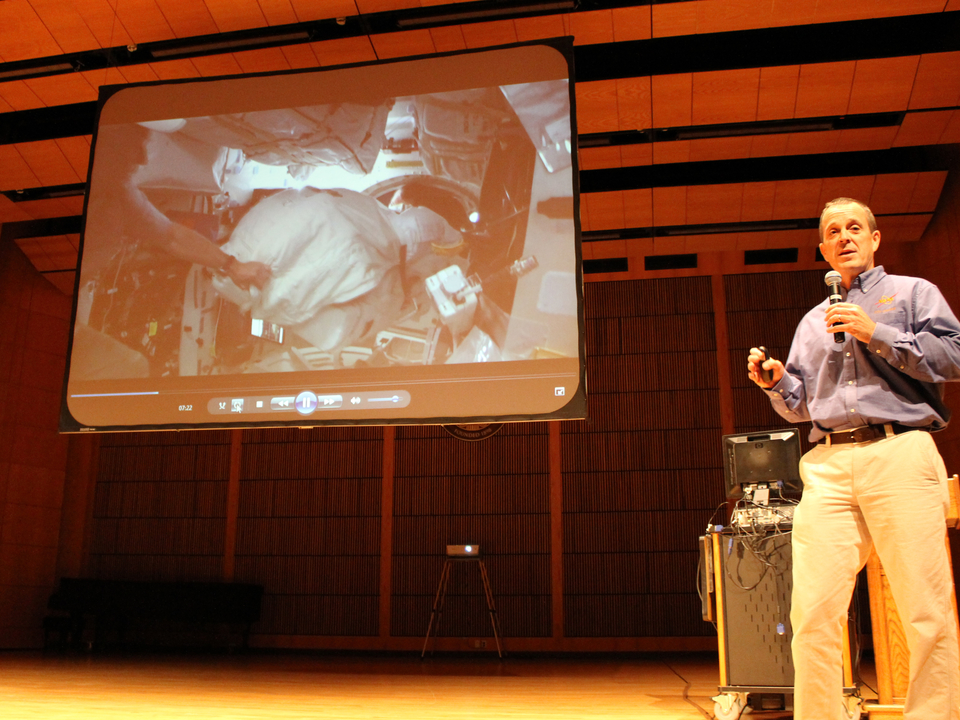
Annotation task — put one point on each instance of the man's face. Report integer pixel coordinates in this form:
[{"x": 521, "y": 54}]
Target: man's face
[{"x": 847, "y": 243}]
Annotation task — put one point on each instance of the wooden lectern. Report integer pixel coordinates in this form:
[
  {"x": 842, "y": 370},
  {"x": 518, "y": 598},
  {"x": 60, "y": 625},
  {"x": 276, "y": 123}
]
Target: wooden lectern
[{"x": 889, "y": 642}]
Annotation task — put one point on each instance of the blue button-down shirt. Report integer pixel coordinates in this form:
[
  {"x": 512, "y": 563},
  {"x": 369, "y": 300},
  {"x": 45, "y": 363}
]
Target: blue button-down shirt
[{"x": 897, "y": 377}]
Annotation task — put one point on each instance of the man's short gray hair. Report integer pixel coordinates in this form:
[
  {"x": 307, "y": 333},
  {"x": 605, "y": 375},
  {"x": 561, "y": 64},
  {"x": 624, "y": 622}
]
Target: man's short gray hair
[{"x": 871, "y": 220}]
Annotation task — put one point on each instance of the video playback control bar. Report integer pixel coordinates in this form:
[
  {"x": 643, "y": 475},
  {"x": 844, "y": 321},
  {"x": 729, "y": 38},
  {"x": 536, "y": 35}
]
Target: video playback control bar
[{"x": 307, "y": 402}]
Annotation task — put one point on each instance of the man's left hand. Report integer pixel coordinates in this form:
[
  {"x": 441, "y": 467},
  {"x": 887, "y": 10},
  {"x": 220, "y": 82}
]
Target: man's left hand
[{"x": 852, "y": 320}]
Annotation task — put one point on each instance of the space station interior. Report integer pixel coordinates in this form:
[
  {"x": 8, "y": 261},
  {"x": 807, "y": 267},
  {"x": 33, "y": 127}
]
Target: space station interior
[{"x": 424, "y": 230}]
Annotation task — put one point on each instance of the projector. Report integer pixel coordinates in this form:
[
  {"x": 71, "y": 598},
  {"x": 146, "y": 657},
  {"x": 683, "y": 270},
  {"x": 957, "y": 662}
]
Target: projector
[{"x": 463, "y": 551}]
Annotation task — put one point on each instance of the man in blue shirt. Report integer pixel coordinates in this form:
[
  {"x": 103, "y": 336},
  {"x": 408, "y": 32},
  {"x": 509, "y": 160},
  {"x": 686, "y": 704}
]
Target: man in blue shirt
[{"x": 875, "y": 478}]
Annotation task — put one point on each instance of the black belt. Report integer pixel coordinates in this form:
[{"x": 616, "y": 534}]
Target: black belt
[{"x": 865, "y": 433}]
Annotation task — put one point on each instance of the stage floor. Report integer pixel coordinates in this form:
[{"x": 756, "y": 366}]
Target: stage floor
[{"x": 256, "y": 685}]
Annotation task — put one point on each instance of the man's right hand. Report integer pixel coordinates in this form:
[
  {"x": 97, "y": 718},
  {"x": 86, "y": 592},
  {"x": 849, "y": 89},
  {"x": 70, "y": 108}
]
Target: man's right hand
[{"x": 755, "y": 359}]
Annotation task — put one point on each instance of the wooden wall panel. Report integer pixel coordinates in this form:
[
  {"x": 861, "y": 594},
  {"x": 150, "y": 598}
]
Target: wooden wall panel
[
  {"x": 494, "y": 493},
  {"x": 786, "y": 298},
  {"x": 308, "y": 528},
  {"x": 159, "y": 506},
  {"x": 642, "y": 476}
]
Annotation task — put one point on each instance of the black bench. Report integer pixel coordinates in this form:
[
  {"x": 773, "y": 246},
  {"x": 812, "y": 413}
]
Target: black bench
[{"x": 120, "y": 604}]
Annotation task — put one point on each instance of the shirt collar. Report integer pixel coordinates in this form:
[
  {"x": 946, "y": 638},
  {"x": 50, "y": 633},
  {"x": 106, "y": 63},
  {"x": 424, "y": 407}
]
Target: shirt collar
[{"x": 870, "y": 278}]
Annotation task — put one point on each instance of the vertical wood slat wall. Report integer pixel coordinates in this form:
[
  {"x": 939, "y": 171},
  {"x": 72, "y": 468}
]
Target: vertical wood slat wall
[
  {"x": 309, "y": 528},
  {"x": 493, "y": 493},
  {"x": 160, "y": 506},
  {"x": 642, "y": 476},
  {"x": 640, "y": 479},
  {"x": 764, "y": 309}
]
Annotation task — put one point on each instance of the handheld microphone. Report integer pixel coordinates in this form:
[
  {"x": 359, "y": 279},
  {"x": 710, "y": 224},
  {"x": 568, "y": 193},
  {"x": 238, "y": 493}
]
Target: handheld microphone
[{"x": 833, "y": 280}]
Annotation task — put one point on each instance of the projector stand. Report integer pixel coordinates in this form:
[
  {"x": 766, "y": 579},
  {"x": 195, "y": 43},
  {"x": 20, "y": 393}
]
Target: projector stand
[{"x": 442, "y": 594}]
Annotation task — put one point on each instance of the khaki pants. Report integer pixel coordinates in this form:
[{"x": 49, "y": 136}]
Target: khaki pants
[{"x": 892, "y": 494}]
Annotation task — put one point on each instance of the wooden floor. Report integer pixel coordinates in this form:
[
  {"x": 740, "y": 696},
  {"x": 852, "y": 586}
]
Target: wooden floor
[{"x": 101, "y": 687}]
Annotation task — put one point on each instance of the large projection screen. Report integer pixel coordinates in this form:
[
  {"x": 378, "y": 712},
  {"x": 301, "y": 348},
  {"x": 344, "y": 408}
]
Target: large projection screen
[{"x": 375, "y": 244}]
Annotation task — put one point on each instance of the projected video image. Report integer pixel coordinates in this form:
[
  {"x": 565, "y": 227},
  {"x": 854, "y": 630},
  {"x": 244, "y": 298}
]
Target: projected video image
[
  {"x": 387, "y": 243},
  {"x": 329, "y": 236}
]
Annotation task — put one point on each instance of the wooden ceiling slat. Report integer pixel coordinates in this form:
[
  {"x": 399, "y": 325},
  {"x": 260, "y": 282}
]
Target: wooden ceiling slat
[
  {"x": 263, "y": 60},
  {"x": 669, "y": 246},
  {"x": 777, "y": 98},
  {"x": 9, "y": 210},
  {"x": 23, "y": 34},
  {"x": 609, "y": 248},
  {"x": 62, "y": 89},
  {"x": 300, "y": 56},
  {"x": 175, "y": 69},
  {"x": 33, "y": 249},
  {"x": 18, "y": 95},
  {"x": 858, "y": 9},
  {"x": 859, "y": 187},
  {"x": 880, "y": 138},
  {"x": 793, "y": 12},
  {"x": 926, "y": 191},
  {"x": 953, "y": 5},
  {"x": 882, "y": 84},
  {"x": 144, "y": 21},
  {"x": 187, "y": 18},
  {"x": 48, "y": 163},
  {"x": 769, "y": 145},
  {"x": 797, "y": 199},
  {"x": 758, "y": 200},
  {"x": 632, "y": 23},
  {"x": 214, "y": 65},
  {"x": 672, "y": 19},
  {"x": 597, "y": 109},
  {"x": 720, "y": 148},
  {"x": 537, "y": 28},
  {"x": 403, "y": 44},
  {"x": 5, "y": 107},
  {"x": 811, "y": 143},
  {"x": 952, "y": 133},
  {"x": 590, "y": 28},
  {"x": 914, "y": 226},
  {"x": 375, "y": 6},
  {"x": 791, "y": 239},
  {"x": 278, "y": 12},
  {"x": 903, "y": 228},
  {"x": 892, "y": 192},
  {"x": 15, "y": 173},
  {"x": 725, "y": 96},
  {"x": 605, "y": 210},
  {"x": 77, "y": 152},
  {"x": 922, "y": 128},
  {"x": 714, "y": 203},
  {"x": 600, "y": 158},
  {"x": 672, "y": 99},
  {"x": 671, "y": 152},
  {"x": 99, "y": 16},
  {"x": 938, "y": 81},
  {"x": 669, "y": 206},
  {"x": 344, "y": 52},
  {"x": 488, "y": 34},
  {"x": 65, "y": 24},
  {"x": 710, "y": 243},
  {"x": 638, "y": 208},
  {"x": 230, "y": 15},
  {"x": 138, "y": 73},
  {"x": 636, "y": 155},
  {"x": 633, "y": 104},
  {"x": 448, "y": 39},
  {"x": 732, "y": 15},
  {"x": 824, "y": 89},
  {"x": 49, "y": 208},
  {"x": 307, "y": 10}
]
